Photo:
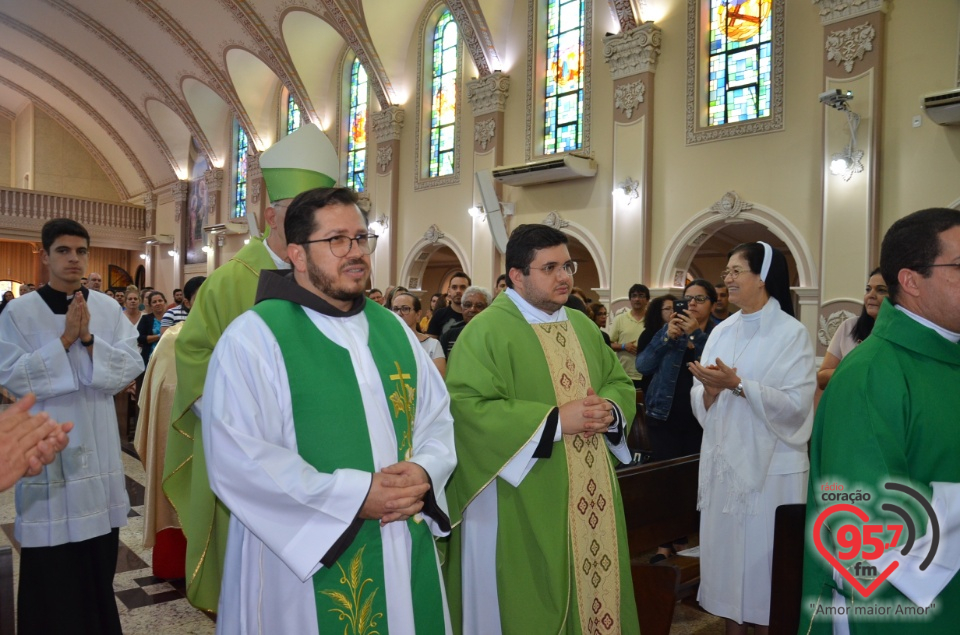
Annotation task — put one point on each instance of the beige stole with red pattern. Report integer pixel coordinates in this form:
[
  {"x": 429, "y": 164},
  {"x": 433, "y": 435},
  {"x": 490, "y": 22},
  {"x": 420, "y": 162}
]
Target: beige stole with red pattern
[{"x": 592, "y": 516}]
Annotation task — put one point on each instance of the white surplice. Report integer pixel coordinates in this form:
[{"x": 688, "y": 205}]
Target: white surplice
[
  {"x": 285, "y": 514},
  {"x": 82, "y": 494}
]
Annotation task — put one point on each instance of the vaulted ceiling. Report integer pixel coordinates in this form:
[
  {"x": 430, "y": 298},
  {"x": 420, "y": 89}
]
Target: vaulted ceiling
[{"x": 135, "y": 80}]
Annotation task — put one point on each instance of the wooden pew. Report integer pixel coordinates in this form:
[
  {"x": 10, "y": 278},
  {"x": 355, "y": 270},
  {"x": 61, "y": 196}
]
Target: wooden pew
[
  {"x": 786, "y": 583},
  {"x": 660, "y": 504}
]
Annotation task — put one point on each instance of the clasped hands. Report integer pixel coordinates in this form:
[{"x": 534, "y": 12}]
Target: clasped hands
[
  {"x": 396, "y": 493},
  {"x": 586, "y": 416},
  {"x": 77, "y": 326},
  {"x": 716, "y": 377},
  {"x": 28, "y": 442}
]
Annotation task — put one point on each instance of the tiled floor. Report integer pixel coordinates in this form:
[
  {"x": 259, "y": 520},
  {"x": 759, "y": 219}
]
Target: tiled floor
[
  {"x": 151, "y": 606},
  {"x": 147, "y": 605}
]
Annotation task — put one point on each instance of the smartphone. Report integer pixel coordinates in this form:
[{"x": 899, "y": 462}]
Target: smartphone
[{"x": 679, "y": 306}]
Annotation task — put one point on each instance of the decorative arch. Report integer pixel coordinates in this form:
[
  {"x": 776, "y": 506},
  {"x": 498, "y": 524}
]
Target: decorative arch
[
  {"x": 588, "y": 240},
  {"x": 730, "y": 209},
  {"x": 419, "y": 255}
]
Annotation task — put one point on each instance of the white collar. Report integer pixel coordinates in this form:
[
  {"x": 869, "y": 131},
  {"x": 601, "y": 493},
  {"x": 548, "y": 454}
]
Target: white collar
[
  {"x": 950, "y": 335},
  {"x": 532, "y": 314},
  {"x": 277, "y": 260}
]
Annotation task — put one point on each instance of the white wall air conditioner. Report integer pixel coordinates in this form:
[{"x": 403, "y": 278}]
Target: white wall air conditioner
[
  {"x": 943, "y": 107},
  {"x": 561, "y": 168}
]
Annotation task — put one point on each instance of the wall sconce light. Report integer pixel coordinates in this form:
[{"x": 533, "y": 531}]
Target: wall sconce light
[
  {"x": 629, "y": 188},
  {"x": 847, "y": 162},
  {"x": 475, "y": 212},
  {"x": 379, "y": 225},
  {"x": 172, "y": 253},
  {"x": 207, "y": 249},
  {"x": 143, "y": 256}
]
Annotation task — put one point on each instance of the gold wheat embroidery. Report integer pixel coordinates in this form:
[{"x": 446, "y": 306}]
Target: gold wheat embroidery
[
  {"x": 355, "y": 609},
  {"x": 403, "y": 401}
]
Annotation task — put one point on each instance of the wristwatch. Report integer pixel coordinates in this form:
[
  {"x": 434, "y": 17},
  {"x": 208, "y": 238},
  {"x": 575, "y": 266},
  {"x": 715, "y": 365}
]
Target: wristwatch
[
  {"x": 737, "y": 392},
  {"x": 88, "y": 343}
]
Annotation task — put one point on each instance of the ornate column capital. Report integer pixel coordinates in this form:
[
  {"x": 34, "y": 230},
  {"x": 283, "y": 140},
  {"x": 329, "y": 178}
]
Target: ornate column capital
[
  {"x": 488, "y": 94},
  {"x": 254, "y": 177},
  {"x": 179, "y": 190},
  {"x": 214, "y": 179},
  {"x": 633, "y": 52},
  {"x": 836, "y": 10},
  {"x": 150, "y": 209},
  {"x": 387, "y": 124}
]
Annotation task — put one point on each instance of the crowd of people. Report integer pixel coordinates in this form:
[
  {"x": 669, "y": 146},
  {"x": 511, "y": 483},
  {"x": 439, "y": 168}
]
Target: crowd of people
[{"x": 343, "y": 454}]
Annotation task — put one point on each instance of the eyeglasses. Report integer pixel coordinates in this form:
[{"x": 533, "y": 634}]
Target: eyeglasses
[
  {"x": 479, "y": 306},
  {"x": 700, "y": 299},
  {"x": 732, "y": 273},
  {"x": 569, "y": 267},
  {"x": 403, "y": 310},
  {"x": 340, "y": 246}
]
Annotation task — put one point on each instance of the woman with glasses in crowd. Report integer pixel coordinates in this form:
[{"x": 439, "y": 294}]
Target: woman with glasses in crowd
[
  {"x": 408, "y": 307},
  {"x": 599, "y": 314},
  {"x": 753, "y": 395},
  {"x": 855, "y": 330},
  {"x": 674, "y": 430}
]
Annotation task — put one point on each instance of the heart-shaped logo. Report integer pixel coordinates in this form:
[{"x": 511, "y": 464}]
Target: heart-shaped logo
[{"x": 832, "y": 559}]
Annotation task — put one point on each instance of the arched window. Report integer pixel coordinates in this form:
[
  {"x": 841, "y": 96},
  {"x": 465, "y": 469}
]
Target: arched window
[
  {"x": 240, "y": 199},
  {"x": 293, "y": 114},
  {"x": 563, "y": 108},
  {"x": 735, "y": 52},
  {"x": 443, "y": 111},
  {"x": 357, "y": 127},
  {"x": 739, "y": 52}
]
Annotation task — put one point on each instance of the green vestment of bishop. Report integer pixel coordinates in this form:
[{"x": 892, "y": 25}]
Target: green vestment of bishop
[
  {"x": 562, "y": 560},
  {"x": 891, "y": 413},
  {"x": 227, "y": 293}
]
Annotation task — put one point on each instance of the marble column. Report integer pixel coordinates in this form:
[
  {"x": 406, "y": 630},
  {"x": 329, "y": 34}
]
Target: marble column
[
  {"x": 853, "y": 52},
  {"x": 632, "y": 56},
  {"x": 488, "y": 98},
  {"x": 214, "y": 182},
  {"x": 387, "y": 125},
  {"x": 179, "y": 191}
]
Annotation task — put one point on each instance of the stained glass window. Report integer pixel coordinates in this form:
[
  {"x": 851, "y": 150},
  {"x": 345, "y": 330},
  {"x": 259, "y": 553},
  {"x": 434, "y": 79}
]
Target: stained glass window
[
  {"x": 563, "y": 114},
  {"x": 293, "y": 114},
  {"x": 240, "y": 201},
  {"x": 357, "y": 132},
  {"x": 739, "y": 53},
  {"x": 443, "y": 111}
]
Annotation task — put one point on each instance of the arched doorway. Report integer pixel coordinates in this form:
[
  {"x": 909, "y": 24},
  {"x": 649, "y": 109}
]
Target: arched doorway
[
  {"x": 710, "y": 258},
  {"x": 588, "y": 276},
  {"x": 432, "y": 261},
  {"x": 735, "y": 220}
]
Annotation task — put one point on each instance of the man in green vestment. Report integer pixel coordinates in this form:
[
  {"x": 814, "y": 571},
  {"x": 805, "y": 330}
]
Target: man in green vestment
[
  {"x": 539, "y": 404},
  {"x": 890, "y": 415},
  {"x": 302, "y": 160}
]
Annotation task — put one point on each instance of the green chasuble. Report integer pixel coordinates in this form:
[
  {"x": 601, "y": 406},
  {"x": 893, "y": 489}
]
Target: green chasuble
[
  {"x": 891, "y": 412},
  {"x": 227, "y": 293},
  {"x": 502, "y": 387},
  {"x": 357, "y": 597}
]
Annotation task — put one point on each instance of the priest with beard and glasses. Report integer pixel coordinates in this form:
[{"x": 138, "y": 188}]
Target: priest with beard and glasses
[{"x": 328, "y": 435}]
